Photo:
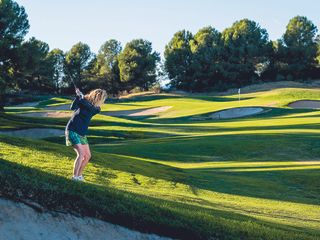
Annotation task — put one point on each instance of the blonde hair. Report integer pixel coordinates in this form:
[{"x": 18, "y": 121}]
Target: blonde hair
[{"x": 96, "y": 97}]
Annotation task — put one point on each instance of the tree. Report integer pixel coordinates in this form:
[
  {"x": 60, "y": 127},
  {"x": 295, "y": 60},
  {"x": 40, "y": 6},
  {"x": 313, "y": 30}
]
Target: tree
[
  {"x": 275, "y": 69},
  {"x": 245, "y": 48},
  {"x": 318, "y": 49},
  {"x": 178, "y": 60},
  {"x": 137, "y": 65},
  {"x": 35, "y": 69},
  {"x": 14, "y": 26},
  {"x": 206, "y": 50},
  {"x": 300, "y": 46},
  {"x": 77, "y": 63},
  {"x": 106, "y": 67},
  {"x": 56, "y": 59},
  {"x": 316, "y": 72}
]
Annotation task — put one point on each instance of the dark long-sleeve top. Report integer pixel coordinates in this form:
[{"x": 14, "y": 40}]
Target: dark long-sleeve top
[{"x": 83, "y": 112}]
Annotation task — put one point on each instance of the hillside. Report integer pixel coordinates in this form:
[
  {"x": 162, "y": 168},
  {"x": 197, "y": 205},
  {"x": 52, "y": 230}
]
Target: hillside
[{"x": 178, "y": 172}]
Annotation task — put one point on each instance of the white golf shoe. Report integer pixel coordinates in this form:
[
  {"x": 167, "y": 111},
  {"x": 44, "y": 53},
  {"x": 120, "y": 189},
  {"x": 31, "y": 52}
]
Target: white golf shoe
[{"x": 78, "y": 178}]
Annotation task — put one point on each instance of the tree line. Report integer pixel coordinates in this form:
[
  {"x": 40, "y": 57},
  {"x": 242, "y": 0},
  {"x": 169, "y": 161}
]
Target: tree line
[
  {"x": 242, "y": 54},
  {"x": 239, "y": 55},
  {"x": 30, "y": 65}
]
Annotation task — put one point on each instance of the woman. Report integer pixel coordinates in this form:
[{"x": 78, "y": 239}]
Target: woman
[{"x": 85, "y": 107}]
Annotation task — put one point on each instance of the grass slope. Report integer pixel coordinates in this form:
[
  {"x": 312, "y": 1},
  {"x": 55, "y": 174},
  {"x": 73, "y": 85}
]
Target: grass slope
[{"x": 246, "y": 178}]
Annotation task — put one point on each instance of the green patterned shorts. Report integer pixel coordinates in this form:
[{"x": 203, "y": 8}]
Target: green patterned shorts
[{"x": 73, "y": 138}]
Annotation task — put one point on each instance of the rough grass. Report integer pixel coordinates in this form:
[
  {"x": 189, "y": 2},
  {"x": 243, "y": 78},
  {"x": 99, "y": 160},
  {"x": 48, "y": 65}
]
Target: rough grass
[{"x": 247, "y": 178}]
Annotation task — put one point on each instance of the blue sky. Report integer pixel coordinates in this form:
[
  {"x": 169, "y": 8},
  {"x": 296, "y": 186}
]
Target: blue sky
[{"x": 62, "y": 23}]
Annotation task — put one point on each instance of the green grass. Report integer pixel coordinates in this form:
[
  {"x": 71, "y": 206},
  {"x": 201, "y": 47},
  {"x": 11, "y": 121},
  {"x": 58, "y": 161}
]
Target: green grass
[
  {"x": 53, "y": 102},
  {"x": 247, "y": 178}
]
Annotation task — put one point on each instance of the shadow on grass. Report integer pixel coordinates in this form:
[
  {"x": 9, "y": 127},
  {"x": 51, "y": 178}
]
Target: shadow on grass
[
  {"x": 127, "y": 113},
  {"x": 236, "y": 147},
  {"x": 58, "y": 193},
  {"x": 135, "y": 211},
  {"x": 269, "y": 113},
  {"x": 187, "y": 96},
  {"x": 20, "y": 120},
  {"x": 36, "y": 121},
  {"x": 11, "y": 122},
  {"x": 144, "y": 123},
  {"x": 183, "y": 126},
  {"x": 299, "y": 185},
  {"x": 219, "y": 99},
  {"x": 146, "y": 98}
]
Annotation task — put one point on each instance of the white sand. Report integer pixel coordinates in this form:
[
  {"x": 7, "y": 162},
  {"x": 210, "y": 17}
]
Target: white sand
[
  {"x": 26, "y": 104},
  {"x": 53, "y": 114},
  {"x": 130, "y": 113},
  {"x": 58, "y": 107},
  {"x": 19, "y": 221},
  {"x": 138, "y": 112},
  {"x": 50, "y": 113},
  {"x": 311, "y": 104},
  {"x": 34, "y": 133},
  {"x": 152, "y": 111},
  {"x": 236, "y": 112}
]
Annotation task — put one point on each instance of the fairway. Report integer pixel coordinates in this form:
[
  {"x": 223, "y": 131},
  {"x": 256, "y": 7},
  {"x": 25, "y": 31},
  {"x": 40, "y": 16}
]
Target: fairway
[{"x": 254, "y": 177}]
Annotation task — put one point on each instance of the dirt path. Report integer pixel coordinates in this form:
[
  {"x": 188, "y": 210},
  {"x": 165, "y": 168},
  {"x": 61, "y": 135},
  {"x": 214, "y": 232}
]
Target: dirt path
[
  {"x": 34, "y": 133},
  {"x": 19, "y": 221}
]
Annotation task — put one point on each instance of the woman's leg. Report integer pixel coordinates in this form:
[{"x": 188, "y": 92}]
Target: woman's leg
[
  {"x": 79, "y": 159},
  {"x": 87, "y": 157}
]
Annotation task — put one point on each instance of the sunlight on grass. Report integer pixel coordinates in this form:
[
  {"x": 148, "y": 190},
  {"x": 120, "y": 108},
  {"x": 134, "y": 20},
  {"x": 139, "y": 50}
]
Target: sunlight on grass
[{"x": 264, "y": 167}]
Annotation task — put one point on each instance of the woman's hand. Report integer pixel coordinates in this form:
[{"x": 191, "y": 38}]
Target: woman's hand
[{"x": 79, "y": 93}]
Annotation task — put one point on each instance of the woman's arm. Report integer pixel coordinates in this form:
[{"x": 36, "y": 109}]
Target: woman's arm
[
  {"x": 89, "y": 106},
  {"x": 79, "y": 93},
  {"x": 75, "y": 104},
  {"x": 80, "y": 101}
]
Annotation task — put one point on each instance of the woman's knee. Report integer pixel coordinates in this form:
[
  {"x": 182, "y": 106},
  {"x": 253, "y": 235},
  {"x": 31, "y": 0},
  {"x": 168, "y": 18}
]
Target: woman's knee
[
  {"x": 79, "y": 150},
  {"x": 87, "y": 156},
  {"x": 81, "y": 156},
  {"x": 87, "y": 152}
]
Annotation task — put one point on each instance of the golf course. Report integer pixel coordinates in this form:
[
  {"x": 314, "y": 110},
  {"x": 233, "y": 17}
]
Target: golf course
[{"x": 171, "y": 164}]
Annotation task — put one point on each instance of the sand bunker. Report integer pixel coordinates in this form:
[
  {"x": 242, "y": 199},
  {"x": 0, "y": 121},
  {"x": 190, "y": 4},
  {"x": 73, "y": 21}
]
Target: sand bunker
[
  {"x": 311, "y": 104},
  {"x": 58, "y": 107},
  {"x": 19, "y": 221},
  {"x": 35, "y": 104},
  {"x": 130, "y": 113},
  {"x": 138, "y": 112},
  {"x": 152, "y": 111},
  {"x": 54, "y": 114},
  {"x": 26, "y": 104},
  {"x": 34, "y": 133},
  {"x": 236, "y": 112}
]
